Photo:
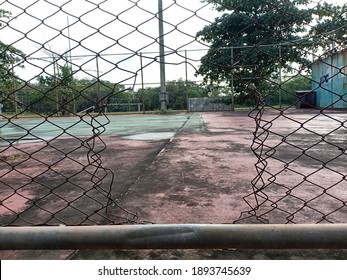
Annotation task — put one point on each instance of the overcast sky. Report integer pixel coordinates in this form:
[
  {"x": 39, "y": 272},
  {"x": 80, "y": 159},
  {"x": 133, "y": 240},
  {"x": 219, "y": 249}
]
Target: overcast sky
[{"x": 115, "y": 29}]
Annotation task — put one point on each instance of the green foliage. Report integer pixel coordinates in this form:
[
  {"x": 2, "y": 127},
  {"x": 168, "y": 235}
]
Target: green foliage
[
  {"x": 178, "y": 91},
  {"x": 150, "y": 96},
  {"x": 4, "y": 14},
  {"x": 287, "y": 91},
  {"x": 296, "y": 83},
  {"x": 63, "y": 86},
  {"x": 10, "y": 57},
  {"x": 249, "y": 24},
  {"x": 331, "y": 26},
  {"x": 35, "y": 99},
  {"x": 76, "y": 94},
  {"x": 253, "y": 39},
  {"x": 273, "y": 93}
]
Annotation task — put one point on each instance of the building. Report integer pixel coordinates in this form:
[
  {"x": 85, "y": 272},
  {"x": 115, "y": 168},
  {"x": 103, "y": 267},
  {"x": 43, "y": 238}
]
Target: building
[{"x": 329, "y": 80}]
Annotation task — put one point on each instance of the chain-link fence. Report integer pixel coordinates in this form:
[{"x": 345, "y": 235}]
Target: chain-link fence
[{"x": 66, "y": 65}]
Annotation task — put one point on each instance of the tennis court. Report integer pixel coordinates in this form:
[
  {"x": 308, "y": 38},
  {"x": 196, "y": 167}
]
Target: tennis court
[
  {"x": 171, "y": 161},
  {"x": 189, "y": 168},
  {"x": 72, "y": 166},
  {"x": 21, "y": 131}
]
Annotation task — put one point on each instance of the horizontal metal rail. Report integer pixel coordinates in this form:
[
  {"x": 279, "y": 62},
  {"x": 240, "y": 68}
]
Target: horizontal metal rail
[{"x": 180, "y": 236}]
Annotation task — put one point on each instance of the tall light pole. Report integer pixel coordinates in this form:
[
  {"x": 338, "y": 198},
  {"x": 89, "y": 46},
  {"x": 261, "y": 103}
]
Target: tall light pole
[
  {"x": 70, "y": 61},
  {"x": 232, "y": 79},
  {"x": 163, "y": 93}
]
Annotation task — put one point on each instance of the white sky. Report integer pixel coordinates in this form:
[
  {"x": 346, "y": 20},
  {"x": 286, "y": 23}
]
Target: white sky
[
  {"x": 108, "y": 27},
  {"x": 119, "y": 27}
]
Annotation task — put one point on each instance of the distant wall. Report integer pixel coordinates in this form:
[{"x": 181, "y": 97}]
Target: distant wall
[
  {"x": 206, "y": 104},
  {"x": 329, "y": 80}
]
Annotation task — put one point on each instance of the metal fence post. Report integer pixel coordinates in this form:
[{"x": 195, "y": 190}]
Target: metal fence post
[{"x": 177, "y": 236}]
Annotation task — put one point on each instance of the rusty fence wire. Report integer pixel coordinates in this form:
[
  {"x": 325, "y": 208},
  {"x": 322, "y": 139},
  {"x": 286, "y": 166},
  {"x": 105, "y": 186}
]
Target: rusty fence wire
[{"x": 286, "y": 60}]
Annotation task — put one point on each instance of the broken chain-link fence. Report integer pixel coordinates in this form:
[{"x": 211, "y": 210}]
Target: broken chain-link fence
[{"x": 66, "y": 65}]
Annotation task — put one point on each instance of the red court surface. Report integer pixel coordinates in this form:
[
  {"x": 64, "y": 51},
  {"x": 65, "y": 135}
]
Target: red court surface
[{"x": 202, "y": 176}]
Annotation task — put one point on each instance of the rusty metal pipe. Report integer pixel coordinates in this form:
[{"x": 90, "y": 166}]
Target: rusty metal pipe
[{"x": 176, "y": 236}]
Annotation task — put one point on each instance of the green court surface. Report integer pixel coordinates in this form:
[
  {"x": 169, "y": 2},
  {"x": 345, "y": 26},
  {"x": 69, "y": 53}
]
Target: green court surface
[{"x": 139, "y": 127}]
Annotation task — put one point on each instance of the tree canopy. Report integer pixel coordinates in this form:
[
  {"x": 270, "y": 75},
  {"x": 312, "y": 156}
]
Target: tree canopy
[
  {"x": 73, "y": 94},
  {"x": 247, "y": 37},
  {"x": 253, "y": 41},
  {"x": 178, "y": 91},
  {"x": 10, "y": 58},
  {"x": 9, "y": 55},
  {"x": 331, "y": 27}
]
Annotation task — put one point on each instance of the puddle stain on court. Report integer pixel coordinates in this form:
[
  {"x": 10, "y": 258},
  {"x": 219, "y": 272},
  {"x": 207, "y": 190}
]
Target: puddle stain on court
[{"x": 151, "y": 136}]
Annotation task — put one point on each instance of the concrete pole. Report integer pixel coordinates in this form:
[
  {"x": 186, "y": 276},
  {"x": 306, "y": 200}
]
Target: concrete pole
[
  {"x": 163, "y": 93},
  {"x": 142, "y": 86}
]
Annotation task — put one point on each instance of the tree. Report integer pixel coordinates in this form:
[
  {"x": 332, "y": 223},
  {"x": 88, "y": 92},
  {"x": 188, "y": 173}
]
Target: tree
[
  {"x": 66, "y": 82},
  {"x": 151, "y": 99},
  {"x": 331, "y": 27},
  {"x": 179, "y": 90},
  {"x": 10, "y": 57},
  {"x": 288, "y": 90},
  {"x": 250, "y": 42},
  {"x": 62, "y": 86}
]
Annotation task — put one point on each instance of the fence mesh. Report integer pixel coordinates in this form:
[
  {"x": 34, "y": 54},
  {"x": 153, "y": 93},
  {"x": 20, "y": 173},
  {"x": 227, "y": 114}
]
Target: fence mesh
[{"x": 80, "y": 58}]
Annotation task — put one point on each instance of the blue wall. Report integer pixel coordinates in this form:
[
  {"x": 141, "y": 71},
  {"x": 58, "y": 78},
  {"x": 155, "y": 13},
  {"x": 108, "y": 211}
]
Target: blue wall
[{"x": 329, "y": 80}]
